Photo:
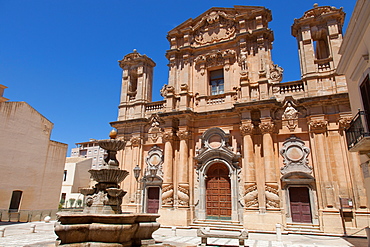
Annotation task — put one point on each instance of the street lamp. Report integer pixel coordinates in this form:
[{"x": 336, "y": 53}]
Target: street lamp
[
  {"x": 152, "y": 174},
  {"x": 153, "y": 171},
  {"x": 137, "y": 171}
]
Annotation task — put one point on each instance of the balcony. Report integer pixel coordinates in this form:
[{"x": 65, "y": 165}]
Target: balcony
[{"x": 357, "y": 134}]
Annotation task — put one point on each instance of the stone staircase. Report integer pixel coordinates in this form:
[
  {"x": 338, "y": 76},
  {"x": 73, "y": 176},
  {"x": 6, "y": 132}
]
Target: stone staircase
[
  {"x": 302, "y": 228},
  {"x": 224, "y": 225}
]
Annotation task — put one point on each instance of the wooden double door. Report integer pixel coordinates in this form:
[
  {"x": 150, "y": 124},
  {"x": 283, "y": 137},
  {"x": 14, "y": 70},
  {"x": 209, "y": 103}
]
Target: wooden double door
[
  {"x": 300, "y": 206},
  {"x": 218, "y": 192}
]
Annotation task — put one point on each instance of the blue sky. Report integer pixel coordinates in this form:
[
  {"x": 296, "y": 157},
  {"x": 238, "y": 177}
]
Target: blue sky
[{"x": 60, "y": 56}]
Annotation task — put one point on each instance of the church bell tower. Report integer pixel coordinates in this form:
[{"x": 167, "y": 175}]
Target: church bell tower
[
  {"x": 319, "y": 35},
  {"x": 137, "y": 84}
]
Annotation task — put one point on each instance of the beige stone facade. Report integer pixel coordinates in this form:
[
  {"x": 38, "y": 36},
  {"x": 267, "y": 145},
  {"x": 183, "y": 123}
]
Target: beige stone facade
[
  {"x": 231, "y": 143},
  {"x": 31, "y": 164},
  {"x": 76, "y": 176},
  {"x": 355, "y": 65}
]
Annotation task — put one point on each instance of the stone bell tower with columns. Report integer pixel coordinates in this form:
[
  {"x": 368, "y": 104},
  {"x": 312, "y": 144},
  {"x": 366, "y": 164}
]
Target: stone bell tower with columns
[
  {"x": 319, "y": 35},
  {"x": 137, "y": 81}
]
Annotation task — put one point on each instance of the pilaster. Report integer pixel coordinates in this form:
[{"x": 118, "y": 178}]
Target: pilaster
[
  {"x": 183, "y": 172},
  {"x": 167, "y": 186}
]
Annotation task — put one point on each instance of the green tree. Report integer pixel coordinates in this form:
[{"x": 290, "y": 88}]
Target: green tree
[{"x": 71, "y": 202}]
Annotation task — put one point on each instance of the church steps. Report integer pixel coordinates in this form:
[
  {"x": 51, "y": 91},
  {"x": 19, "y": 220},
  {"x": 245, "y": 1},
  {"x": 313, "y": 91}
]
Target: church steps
[
  {"x": 302, "y": 228},
  {"x": 218, "y": 225}
]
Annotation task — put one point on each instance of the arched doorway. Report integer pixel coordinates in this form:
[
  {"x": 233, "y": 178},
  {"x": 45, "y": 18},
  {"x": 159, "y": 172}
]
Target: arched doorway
[{"x": 218, "y": 192}]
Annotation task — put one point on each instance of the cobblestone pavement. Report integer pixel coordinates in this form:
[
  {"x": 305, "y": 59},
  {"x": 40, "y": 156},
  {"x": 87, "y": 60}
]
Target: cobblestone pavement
[{"x": 20, "y": 235}]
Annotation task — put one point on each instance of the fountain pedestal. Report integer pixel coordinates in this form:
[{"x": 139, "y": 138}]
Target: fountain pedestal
[{"x": 102, "y": 222}]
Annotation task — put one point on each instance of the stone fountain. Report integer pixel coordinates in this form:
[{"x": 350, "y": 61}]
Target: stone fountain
[{"x": 102, "y": 222}]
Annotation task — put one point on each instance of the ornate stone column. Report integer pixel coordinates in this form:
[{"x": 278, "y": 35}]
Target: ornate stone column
[
  {"x": 267, "y": 127},
  {"x": 167, "y": 186},
  {"x": 183, "y": 170},
  {"x": 250, "y": 194},
  {"x": 318, "y": 127}
]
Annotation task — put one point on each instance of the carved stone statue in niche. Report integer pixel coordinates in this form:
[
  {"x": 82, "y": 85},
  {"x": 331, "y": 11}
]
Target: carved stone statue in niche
[
  {"x": 290, "y": 116},
  {"x": 243, "y": 60},
  {"x": 154, "y": 131},
  {"x": 290, "y": 112}
]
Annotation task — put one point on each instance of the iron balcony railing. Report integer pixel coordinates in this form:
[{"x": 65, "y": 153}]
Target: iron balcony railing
[{"x": 358, "y": 129}]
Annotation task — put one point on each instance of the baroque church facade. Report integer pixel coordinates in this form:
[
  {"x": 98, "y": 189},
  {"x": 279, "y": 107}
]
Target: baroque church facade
[{"x": 232, "y": 144}]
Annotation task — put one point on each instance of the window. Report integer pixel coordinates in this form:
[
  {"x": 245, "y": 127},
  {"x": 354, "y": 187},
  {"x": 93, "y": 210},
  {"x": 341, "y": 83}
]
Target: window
[
  {"x": 63, "y": 197},
  {"x": 15, "y": 201},
  {"x": 365, "y": 95},
  {"x": 321, "y": 48},
  {"x": 65, "y": 175},
  {"x": 217, "y": 82}
]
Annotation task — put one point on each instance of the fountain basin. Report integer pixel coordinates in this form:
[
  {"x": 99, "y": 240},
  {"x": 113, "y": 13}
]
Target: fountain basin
[
  {"x": 112, "y": 144},
  {"x": 111, "y": 229},
  {"x": 109, "y": 175}
]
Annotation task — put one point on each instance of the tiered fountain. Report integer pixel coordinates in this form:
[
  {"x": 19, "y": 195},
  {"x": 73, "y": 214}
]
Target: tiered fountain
[{"x": 102, "y": 222}]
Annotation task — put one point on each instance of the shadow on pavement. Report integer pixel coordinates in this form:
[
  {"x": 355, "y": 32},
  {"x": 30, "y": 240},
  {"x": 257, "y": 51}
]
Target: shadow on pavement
[
  {"x": 357, "y": 241},
  {"x": 3, "y": 223}
]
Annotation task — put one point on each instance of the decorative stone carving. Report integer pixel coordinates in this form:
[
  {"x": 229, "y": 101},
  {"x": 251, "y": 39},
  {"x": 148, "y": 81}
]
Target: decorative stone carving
[
  {"x": 134, "y": 58},
  {"x": 215, "y": 143},
  {"x": 295, "y": 155},
  {"x": 344, "y": 122},
  {"x": 167, "y": 90},
  {"x": 250, "y": 196},
  {"x": 290, "y": 116},
  {"x": 167, "y": 194},
  {"x": 184, "y": 87},
  {"x": 154, "y": 131},
  {"x": 272, "y": 196},
  {"x": 318, "y": 11},
  {"x": 290, "y": 112},
  {"x": 167, "y": 136},
  {"x": 183, "y": 195},
  {"x": 135, "y": 141},
  {"x": 318, "y": 125},
  {"x": 243, "y": 60},
  {"x": 183, "y": 134},
  {"x": 219, "y": 58},
  {"x": 276, "y": 73},
  {"x": 215, "y": 27},
  {"x": 266, "y": 126},
  {"x": 154, "y": 158},
  {"x": 246, "y": 128}
]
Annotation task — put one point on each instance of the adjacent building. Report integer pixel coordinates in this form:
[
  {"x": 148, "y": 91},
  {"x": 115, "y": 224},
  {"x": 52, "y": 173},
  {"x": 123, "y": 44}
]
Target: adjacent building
[
  {"x": 91, "y": 150},
  {"x": 75, "y": 177},
  {"x": 31, "y": 164},
  {"x": 231, "y": 144},
  {"x": 355, "y": 65}
]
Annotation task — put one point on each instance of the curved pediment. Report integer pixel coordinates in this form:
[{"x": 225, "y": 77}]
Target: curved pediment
[
  {"x": 214, "y": 27},
  {"x": 217, "y": 25},
  {"x": 215, "y": 145}
]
